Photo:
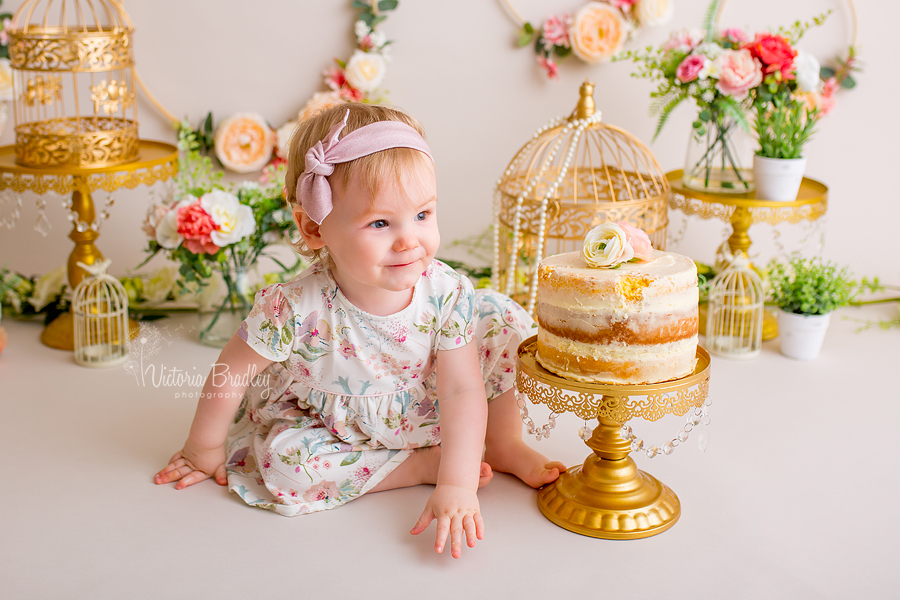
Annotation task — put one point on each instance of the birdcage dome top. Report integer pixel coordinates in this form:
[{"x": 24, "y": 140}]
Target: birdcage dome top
[
  {"x": 580, "y": 159},
  {"x": 70, "y": 17}
]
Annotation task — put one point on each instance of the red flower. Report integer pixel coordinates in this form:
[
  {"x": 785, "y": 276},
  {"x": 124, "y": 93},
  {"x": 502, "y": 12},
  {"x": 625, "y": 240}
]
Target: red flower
[
  {"x": 775, "y": 54},
  {"x": 196, "y": 225}
]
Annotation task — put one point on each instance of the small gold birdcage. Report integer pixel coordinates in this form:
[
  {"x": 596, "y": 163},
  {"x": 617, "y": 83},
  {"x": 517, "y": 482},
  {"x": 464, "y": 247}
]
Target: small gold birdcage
[
  {"x": 73, "y": 84},
  {"x": 100, "y": 311},
  {"x": 734, "y": 321},
  {"x": 574, "y": 174}
]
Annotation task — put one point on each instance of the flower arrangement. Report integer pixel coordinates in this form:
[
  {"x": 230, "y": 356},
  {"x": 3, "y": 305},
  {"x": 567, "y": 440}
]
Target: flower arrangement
[
  {"x": 216, "y": 230},
  {"x": 609, "y": 245},
  {"x": 726, "y": 72},
  {"x": 32, "y": 296},
  {"x": 595, "y": 33},
  {"x": 809, "y": 286}
]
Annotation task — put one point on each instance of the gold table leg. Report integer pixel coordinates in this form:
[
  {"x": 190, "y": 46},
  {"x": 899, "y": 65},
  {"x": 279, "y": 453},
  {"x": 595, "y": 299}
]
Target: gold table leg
[{"x": 608, "y": 497}]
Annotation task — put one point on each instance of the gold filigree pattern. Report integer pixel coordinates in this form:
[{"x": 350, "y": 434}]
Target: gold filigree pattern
[
  {"x": 109, "y": 96},
  {"x": 75, "y": 51},
  {"x": 83, "y": 142},
  {"x": 66, "y": 184},
  {"x": 42, "y": 90},
  {"x": 772, "y": 215}
]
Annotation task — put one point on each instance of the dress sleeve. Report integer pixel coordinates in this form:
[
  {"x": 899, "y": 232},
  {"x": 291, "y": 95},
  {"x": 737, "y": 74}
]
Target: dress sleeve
[
  {"x": 269, "y": 328},
  {"x": 457, "y": 325}
]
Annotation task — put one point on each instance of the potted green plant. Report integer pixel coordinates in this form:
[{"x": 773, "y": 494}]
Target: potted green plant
[{"x": 806, "y": 291}]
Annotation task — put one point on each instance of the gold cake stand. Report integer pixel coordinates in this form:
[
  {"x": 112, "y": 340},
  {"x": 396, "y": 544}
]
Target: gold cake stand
[
  {"x": 157, "y": 162},
  {"x": 608, "y": 497},
  {"x": 742, "y": 211}
]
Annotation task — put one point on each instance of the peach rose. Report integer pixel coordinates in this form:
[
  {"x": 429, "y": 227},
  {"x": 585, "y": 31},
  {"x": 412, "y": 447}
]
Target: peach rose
[
  {"x": 319, "y": 102},
  {"x": 598, "y": 32},
  {"x": 738, "y": 72},
  {"x": 244, "y": 142}
]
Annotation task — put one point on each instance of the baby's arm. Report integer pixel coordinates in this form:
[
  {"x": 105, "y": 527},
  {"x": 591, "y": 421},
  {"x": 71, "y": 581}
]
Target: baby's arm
[
  {"x": 463, "y": 410},
  {"x": 203, "y": 454}
]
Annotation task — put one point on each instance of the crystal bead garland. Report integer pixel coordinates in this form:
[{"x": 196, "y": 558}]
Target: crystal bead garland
[
  {"x": 530, "y": 427},
  {"x": 84, "y": 225},
  {"x": 9, "y": 196},
  {"x": 699, "y": 417}
]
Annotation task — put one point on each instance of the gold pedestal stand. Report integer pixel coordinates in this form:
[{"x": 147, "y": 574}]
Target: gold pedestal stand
[
  {"x": 608, "y": 497},
  {"x": 157, "y": 162},
  {"x": 742, "y": 211}
]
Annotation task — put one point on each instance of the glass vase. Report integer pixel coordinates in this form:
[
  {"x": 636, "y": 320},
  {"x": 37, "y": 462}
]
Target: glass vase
[
  {"x": 223, "y": 305},
  {"x": 719, "y": 158}
]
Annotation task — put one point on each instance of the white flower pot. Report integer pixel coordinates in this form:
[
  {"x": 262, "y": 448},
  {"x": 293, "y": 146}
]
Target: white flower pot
[
  {"x": 778, "y": 178},
  {"x": 802, "y": 335}
]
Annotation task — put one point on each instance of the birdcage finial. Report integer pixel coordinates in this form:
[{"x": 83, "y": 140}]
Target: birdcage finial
[
  {"x": 586, "y": 105},
  {"x": 97, "y": 269}
]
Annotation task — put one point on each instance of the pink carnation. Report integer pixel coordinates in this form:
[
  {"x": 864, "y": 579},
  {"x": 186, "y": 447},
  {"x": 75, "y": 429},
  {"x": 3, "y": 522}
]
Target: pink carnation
[
  {"x": 735, "y": 35},
  {"x": 196, "y": 225},
  {"x": 639, "y": 240},
  {"x": 690, "y": 67},
  {"x": 549, "y": 66},
  {"x": 556, "y": 31},
  {"x": 686, "y": 40},
  {"x": 738, "y": 72},
  {"x": 775, "y": 53}
]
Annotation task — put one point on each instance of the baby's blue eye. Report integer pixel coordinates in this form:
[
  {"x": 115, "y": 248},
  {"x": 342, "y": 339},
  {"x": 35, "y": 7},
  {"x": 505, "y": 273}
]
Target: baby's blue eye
[
  {"x": 423, "y": 215},
  {"x": 379, "y": 224}
]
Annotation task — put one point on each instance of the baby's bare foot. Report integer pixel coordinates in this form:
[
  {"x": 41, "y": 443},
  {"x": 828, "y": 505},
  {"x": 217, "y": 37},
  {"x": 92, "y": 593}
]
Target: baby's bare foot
[
  {"x": 519, "y": 459},
  {"x": 430, "y": 461}
]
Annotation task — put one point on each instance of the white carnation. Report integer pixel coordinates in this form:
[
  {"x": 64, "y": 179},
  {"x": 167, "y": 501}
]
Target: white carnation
[
  {"x": 807, "y": 68},
  {"x": 235, "y": 220},
  {"x": 167, "y": 234}
]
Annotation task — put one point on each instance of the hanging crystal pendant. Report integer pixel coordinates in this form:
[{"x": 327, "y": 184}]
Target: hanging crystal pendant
[{"x": 42, "y": 225}]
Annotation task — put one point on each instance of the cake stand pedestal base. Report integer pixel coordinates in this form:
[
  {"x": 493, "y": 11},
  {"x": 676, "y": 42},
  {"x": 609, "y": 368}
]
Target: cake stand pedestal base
[{"x": 609, "y": 498}]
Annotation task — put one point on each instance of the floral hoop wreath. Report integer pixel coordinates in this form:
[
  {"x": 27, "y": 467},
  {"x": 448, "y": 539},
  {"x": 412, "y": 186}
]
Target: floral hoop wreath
[
  {"x": 596, "y": 32},
  {"x": 245, "y": 142}
]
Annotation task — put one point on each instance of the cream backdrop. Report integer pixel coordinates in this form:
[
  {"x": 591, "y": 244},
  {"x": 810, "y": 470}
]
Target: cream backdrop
[{"x": 456, "y": 67}]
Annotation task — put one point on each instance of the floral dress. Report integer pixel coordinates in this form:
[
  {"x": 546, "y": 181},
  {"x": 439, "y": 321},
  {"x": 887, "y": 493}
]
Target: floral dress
[{"x": 350, "y": 395}]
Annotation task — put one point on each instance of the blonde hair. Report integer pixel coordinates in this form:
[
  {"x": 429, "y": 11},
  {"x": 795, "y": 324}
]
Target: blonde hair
[{"x": 373, "y": 169}]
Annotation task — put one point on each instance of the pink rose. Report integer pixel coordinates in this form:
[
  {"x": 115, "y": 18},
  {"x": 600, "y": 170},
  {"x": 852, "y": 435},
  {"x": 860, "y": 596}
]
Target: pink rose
[
  {"x": 639, "y": 240},
  {"x": 775, "y": 54},
  {"x": 735, "y": 35},
  {"x": 690, "y": 67},
  {"x": 154, "y": 216},
  {"x": 556, "y": 31},
  {"x": 196, "y": 225},
  {"x": 549, "y": 66},
  {"x": 738, "y": 72},
  {"x": 685, "y": 40}
]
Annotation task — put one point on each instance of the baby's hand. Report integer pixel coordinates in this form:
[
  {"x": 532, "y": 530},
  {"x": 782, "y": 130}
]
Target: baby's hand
[
  {"x": 189, "y": 466},
  {"x": 456, "y": 510}
]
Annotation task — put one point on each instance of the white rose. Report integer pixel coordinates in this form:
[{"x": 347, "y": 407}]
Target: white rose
[
  {"x": 653, "y": 12},
  {"x": 283, "y": 139},
  {"x": 235, "y": 220},
  {"x": 160, "y": 284},
  {"x": 807, "y": 68},
  {"x": 606, "y": 246},
  {"x": 167, "y": 234},
  {"x": 6, "y": 80},
  {"x": 365, "y": 70},
  {"x": 48, "y": 287}
]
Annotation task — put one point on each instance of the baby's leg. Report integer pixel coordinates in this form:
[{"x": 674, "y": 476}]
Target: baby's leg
[
  {"x": 505, "y": 451},
  {"x": 422, "y": 467}
]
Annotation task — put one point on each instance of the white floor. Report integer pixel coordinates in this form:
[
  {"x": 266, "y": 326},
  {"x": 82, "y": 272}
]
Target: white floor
[{"x": 796, "y": 496}]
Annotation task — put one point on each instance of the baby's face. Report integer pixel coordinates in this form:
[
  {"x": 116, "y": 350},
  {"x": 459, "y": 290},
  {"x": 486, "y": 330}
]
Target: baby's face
[{"x": 380, "y": 247}]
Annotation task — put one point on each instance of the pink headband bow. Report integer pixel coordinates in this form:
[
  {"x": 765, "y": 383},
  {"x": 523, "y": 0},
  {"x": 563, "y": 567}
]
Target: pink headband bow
[{"x": 313, "y": 191}]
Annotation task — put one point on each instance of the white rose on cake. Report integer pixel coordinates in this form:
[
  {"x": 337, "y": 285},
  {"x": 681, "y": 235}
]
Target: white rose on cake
[
  {"x": 365, "y": 70},
  {"x": 606, "y": 246}
]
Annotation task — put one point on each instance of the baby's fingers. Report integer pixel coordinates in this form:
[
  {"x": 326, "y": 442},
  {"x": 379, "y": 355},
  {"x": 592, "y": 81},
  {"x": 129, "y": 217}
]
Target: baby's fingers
[
  {"x": 424, "y": 521},
  {"x": 471, "y": 530},
  {"x": 190, "y": 479}
]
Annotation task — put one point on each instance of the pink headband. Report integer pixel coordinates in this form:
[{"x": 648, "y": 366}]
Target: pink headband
[{"x": 313, "y": 191}]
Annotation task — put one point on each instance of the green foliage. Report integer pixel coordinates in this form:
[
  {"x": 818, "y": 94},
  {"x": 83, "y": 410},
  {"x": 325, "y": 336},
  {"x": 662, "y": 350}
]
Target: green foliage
[
  {"x": 799, "y": 28},
  {"x": 810, "y": 286},
  {"x": 371, "y": 11},
  {"x": 783, "y": 124},
  {"x": 4, "y": 49},
  {"x": 526, "y": 36},
  {"x": 709, "y": 19}
]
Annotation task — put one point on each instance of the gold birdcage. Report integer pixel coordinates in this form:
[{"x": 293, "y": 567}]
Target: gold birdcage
[
  {"x": 100, "y": 311},
  {"x": 734, "y": 324},
  {"x": 73, "y": 84},
  {"x": 574, "y": 174}
]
